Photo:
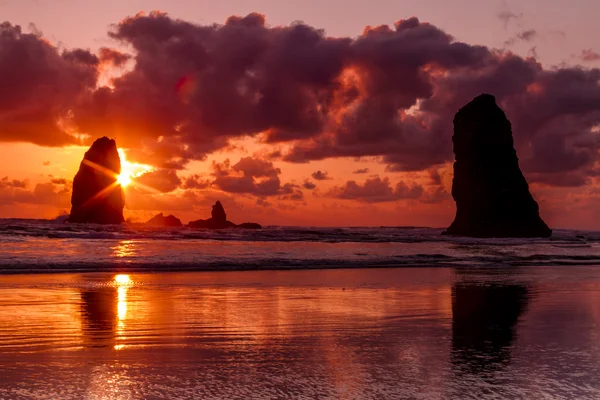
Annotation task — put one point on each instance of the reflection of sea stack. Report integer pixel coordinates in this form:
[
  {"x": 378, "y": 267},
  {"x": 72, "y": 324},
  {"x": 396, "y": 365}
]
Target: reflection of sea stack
[
  {"x": 97, "y": 198},
  {"x": 218, "y": 220},
  {"x": 99, "y": 316},
  {"x": 483, "y": 323},
  {"x": 168, "y": 221},
  {"x": 492, "y": 196}
]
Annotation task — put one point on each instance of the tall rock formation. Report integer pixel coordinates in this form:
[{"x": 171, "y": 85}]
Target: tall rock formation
[
  {"x": 97, "y": 197},
  {"x": 492, "y": 196}
]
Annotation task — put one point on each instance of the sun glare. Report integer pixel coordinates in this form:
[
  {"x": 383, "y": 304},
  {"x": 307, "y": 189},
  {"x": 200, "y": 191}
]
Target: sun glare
[
  {"x": 129, "y": 170},
  {"x": 122, "y": 280}
]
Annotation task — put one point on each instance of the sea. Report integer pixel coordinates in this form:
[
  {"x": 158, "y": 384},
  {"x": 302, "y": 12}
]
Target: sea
[{"x": 132, "y": 312}]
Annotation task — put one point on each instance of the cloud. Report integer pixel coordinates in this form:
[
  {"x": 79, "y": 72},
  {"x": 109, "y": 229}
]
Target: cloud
[
  {"x": 196, "y": 182},
  {"x": 361, "y": 171},
  {"x": 523, "y": 36},
  {"x": 61, "y": 181},
  {"x": 40, "y": 84},
  {"x": 253, "y": 176},
  {"x": 320, "y": 175},
  {"x": 506, "y": 15},
  {"x": 14, "y": 183},
  {"x": 309, "y": 185},
  {"x": 589, "y": 55},
  {"x": 16, "y": 192},
  {"x": 375, "y": 190},
  {"x": 163, "y": 180},
  {"x": 113, "y": 57},
  {"x": 390, "y": 92}
]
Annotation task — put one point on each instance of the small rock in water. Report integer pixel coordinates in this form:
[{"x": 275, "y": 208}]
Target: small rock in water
[{"x": 168, "y": 221}]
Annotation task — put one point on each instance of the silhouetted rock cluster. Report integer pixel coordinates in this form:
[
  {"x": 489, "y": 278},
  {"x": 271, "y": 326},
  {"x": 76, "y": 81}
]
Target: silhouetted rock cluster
[
  {"x": 97, "y": 197},
  {"x": 218, "y": 220},
  {"x": 170, "y": 221},
  {"x": 492, "y": 196}
]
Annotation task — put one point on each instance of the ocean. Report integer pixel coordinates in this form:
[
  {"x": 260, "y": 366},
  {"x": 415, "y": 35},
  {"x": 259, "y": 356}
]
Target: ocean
[
  {"x": 41, "y": 246},
  {"x": 97, "y": 312}
]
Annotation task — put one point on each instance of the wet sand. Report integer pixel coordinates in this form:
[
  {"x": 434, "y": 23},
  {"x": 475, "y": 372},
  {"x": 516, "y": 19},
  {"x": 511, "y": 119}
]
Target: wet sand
[{"x": 531, "y": 332}]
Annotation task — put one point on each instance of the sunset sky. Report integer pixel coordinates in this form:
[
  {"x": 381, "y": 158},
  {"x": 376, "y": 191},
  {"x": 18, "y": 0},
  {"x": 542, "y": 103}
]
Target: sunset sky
[{"x": 295, "y": 112}]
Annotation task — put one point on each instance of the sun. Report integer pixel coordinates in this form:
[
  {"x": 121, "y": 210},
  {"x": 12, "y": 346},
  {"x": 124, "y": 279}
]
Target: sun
[
  {"x": 129, "y": 170},
  {"x": 124, "y": 179}
]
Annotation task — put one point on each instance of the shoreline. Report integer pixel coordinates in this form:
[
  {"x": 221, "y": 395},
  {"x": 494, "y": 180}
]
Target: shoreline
[{"x": 152, "y": 268}]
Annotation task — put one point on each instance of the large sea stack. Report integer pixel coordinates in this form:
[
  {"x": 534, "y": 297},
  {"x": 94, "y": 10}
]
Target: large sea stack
[
  {"x": 492, "y": 196},
  {"x": 97, "y": 197}
]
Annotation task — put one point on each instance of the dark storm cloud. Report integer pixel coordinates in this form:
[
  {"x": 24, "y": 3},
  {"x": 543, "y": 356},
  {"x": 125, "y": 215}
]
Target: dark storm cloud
[
  {"x": 361, "y": 171},
  {"x": 391, "y": 93}
]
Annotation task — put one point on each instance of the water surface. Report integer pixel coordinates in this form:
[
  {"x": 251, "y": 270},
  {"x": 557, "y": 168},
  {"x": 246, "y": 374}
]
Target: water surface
[{"x": 463, "y": 332}]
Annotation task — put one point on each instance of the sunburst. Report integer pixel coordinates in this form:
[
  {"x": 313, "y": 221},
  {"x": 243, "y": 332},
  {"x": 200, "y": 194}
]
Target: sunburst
[{"x": 129, "y": 170}]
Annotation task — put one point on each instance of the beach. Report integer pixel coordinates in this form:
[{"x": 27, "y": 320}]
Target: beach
[{"x": 524, "y": 332}]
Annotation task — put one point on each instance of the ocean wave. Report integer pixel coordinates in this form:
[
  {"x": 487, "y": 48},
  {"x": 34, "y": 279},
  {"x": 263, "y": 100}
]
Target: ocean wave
[{"x": 42, "y": 247}]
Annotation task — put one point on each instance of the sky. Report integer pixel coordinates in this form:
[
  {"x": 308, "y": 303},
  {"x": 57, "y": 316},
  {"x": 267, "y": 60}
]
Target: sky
[{"x": 297, "y": 112}]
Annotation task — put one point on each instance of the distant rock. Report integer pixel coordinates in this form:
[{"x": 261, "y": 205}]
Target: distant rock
[
  {"x": 169, "y": 221},
  {"x": 211, "y": 224},
  {"x": 218, "y": 213},
  {"x": 97, "y": 197},
  {"x": 219, "y": 221},
  {"x": 249, "y": 225},
  {"x": 492, "y": 196}
]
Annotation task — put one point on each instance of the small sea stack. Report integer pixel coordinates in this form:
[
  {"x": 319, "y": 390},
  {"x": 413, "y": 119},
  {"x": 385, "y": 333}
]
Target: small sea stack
[
  {"x": 218, "y": 220},
  {"x": 170, "y": 221},
  {"x": 97, "y": 197},
  {"x": 491, "y": 194}
]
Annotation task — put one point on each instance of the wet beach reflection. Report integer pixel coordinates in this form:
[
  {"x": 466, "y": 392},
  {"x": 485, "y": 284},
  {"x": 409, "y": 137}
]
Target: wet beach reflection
[{"x": 364, "y": 334}]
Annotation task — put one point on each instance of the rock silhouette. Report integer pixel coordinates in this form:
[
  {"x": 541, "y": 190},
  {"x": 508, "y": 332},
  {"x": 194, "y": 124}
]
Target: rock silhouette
[
  {"x": 218, "y": 213},
  {"x": 492, "y": 196},
  {"x": 97, "y": 197},
  {"x": 218, "y": 220},
  {"x": 168, "y": 221}
]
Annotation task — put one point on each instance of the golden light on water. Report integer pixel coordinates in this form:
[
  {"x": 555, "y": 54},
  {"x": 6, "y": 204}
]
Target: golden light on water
[{"x": 122, "y": 280}]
